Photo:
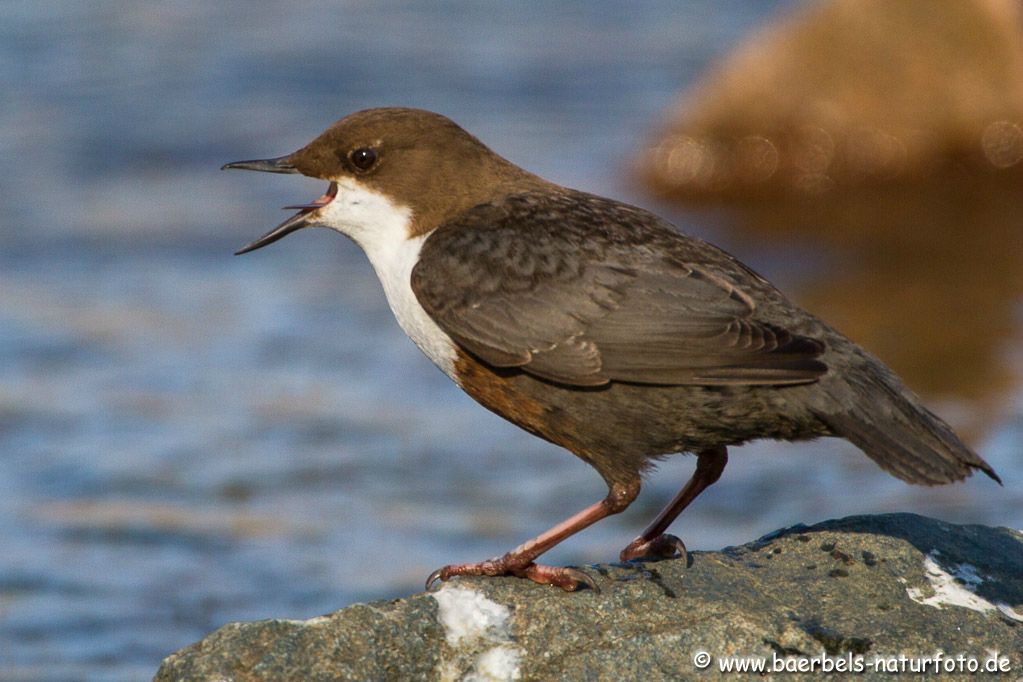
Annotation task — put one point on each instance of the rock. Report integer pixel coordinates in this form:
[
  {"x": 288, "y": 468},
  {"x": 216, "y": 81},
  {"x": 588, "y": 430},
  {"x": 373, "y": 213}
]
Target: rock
[
  {"x": 851, "y": 92},
  {"x": 865, "y": 588}
]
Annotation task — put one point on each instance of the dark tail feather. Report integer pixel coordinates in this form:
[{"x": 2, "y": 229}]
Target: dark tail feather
[{"x": 907, "y": 440}]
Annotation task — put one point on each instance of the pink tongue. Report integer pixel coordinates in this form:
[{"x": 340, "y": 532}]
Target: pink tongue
[{"x": 322, "y": 200}]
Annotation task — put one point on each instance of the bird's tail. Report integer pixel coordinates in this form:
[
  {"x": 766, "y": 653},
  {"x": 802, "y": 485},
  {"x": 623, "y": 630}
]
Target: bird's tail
[{"x": 888, "y": 422}]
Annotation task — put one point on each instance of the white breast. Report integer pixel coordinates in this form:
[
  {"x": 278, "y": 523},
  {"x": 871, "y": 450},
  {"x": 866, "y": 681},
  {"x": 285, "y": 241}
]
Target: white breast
[
  {"x": 381, "y": 228},
  {"x": 395, "y": 272}
]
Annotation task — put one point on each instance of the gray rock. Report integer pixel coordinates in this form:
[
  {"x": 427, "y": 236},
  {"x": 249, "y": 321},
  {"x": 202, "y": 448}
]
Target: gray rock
[{"x": 857, "y": 589}]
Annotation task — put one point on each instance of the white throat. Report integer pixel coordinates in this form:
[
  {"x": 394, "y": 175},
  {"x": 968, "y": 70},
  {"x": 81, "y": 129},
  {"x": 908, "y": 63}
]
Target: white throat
[{"x": 381, "y": 228}]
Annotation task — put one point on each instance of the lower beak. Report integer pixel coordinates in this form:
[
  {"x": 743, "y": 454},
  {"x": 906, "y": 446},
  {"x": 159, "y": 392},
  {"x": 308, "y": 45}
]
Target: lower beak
[{"x": 295, "y": 222}]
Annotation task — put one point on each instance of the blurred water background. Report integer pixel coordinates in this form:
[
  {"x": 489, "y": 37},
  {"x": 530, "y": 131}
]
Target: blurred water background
[{"x": 188, "y": 438}]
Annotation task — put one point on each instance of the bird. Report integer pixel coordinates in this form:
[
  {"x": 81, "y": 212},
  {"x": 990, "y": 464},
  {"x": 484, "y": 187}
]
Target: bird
[{"x": 596, "y": 325}]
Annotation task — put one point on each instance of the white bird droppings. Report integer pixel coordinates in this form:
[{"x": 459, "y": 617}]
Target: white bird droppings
[
  {"x": 468, "y": 615},
  {"x": 957, "y": 589},
  {"x": 499, "y": 663},
  {"x": 472, "y": 623}
]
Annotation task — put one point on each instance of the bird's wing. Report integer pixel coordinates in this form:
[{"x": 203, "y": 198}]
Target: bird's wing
[{"x": 582, "y": 290}]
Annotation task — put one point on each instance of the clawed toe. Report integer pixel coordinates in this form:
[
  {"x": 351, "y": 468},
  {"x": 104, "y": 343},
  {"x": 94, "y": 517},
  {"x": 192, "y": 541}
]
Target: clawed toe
[
  {"x": 488, "y": 567},
  {"x": 661, "y": 547},
  {"x": 568, "y": 579}
]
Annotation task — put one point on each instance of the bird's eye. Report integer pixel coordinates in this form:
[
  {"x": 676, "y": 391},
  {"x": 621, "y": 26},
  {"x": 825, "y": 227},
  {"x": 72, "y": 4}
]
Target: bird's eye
[{"x": 363, "y": 158}]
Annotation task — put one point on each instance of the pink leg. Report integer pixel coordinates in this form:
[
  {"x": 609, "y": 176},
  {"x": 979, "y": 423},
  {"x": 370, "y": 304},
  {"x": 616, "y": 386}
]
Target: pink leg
[
  {"x": 653, "y": 542},
  {"x": 519, "y": 561}
]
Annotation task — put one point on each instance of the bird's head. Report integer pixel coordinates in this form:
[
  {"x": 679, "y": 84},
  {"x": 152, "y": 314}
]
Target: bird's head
[{"x": 389, "y": 166}]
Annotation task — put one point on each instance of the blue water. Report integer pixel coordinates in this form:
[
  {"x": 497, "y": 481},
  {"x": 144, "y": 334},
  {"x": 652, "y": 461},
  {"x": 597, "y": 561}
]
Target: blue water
[{"x": 188, "y": 438}]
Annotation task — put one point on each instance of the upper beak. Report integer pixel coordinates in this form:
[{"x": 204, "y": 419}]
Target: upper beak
[
  {"x": 295, "y": 222},
  {"x": 278, "y": 165}
]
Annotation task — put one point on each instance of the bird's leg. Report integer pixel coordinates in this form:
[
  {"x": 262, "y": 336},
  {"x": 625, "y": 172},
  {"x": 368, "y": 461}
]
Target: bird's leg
[
  {"x": 519, "y": 561},
  {"x": 653, "y": 543}
]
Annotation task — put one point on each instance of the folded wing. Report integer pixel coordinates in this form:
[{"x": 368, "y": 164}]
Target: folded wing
[{"x": 582, "y": 290}]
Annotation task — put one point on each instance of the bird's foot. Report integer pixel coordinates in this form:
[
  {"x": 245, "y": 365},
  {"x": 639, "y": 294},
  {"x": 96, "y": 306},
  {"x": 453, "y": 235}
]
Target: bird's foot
[
  {"x": 661, "y": 547},
  {"x": 568, "y": 579}
]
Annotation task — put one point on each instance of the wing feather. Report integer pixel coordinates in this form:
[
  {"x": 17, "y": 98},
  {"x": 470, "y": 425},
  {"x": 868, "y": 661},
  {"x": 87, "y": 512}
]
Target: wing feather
[{"x": 582, "y": 290}]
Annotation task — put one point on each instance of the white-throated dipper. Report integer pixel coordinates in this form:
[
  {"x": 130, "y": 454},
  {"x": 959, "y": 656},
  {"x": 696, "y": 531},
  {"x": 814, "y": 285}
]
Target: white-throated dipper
[{"x": 596, "y": 325}]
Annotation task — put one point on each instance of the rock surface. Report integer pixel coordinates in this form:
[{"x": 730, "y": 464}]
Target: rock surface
[{"x": 854, "y": 589}]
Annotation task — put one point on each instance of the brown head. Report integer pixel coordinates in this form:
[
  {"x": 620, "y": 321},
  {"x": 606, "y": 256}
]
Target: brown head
[{"x": 417, "y": 160}]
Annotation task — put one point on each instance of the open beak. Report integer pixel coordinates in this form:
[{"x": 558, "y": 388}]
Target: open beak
[{"x": 296, "y": 222}]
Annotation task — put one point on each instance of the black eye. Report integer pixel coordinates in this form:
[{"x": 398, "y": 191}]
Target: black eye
[{"x": 363, "y": 158}]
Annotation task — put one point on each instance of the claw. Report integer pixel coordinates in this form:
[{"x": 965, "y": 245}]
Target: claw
[
  {"x": 581, "y": 579},
  {"x": 661, "y": 547},
  {"x": 671, "y": 547},
  {"x": 434, "y": 577}
]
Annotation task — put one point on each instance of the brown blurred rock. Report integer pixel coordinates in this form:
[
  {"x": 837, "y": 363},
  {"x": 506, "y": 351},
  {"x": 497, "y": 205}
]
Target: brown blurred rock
[
  {"x": 927, "y": 276},
  {"x": 848, "y": 92}
]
